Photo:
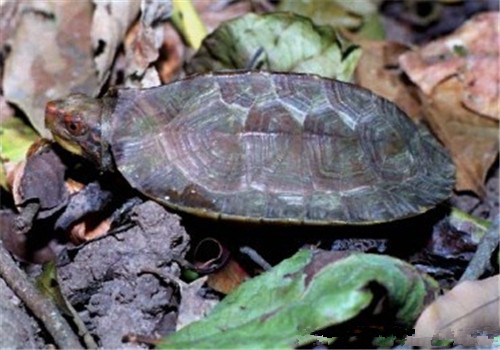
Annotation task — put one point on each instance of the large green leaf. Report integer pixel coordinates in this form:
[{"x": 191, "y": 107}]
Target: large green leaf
[
  {"x": 281, "y": 42},
  {"x": 310, "y": 291}
]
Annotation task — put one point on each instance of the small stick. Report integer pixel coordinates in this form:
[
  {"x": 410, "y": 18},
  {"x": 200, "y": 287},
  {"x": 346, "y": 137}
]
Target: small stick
[
  {"x": 481, "y": 258},
  {"x": 256, "y": 258},
  {"x": 42, "y": 307}
]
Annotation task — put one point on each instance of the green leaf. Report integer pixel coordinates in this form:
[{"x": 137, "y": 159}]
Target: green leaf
[
  {"x": 372, "y": 28},
  {"x": 16, "y": 138},
  {"x": 281, "y": 42},
  {"x": 359, "y": 16},
  {"x": 187, "y": 21},
  {"x": 310, "y": 291}
]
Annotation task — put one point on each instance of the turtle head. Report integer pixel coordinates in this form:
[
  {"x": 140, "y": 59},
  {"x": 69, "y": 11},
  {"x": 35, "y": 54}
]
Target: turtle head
[{"x": 77, "y": 124}]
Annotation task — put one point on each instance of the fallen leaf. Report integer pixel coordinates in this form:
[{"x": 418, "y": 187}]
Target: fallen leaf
[
  {"x": 306, "y": 293},
  {"x": 472, "y": 54},
  {"x": 188, "y": 23},
  {"x": 228, "y": 278},
  {"x": 51, "y": 56},
  {"x": 224, "y": 272},
  {"x": 336, "y": 13},
  {"x": 193, "y": 307},
  {"x": 142, "y": 43},
  {"x": 110, "y": 22},
  {"x": 378, "y": 71},
  {"x": 90, "y": 228},
  {"x": 153, "y": 11},
  {"x": 281, "y": 42},
  {"x": 471, "y": 139},
  {"x": 213, "y": 13},
  {"x": 171, "y": 58},
  {"x": 466, "y": 309},
  {"x": 16, "y": 137},
  {"x": 481, "y": 84}
]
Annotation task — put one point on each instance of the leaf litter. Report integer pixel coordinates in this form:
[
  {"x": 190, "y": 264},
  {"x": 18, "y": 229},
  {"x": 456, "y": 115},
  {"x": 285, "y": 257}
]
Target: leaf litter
[
  {"x": 459, "y": 76},
  {"x": 110, "y": 24},
  {"x": 34, "y": 73}
]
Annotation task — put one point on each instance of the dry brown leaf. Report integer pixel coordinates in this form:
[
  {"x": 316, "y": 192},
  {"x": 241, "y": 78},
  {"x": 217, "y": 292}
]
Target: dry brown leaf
[
  {"x": 472, "y": 54},
  {"x": 193, "y": 306},
  {"x": 471, "y": 139},
  {"x": 140, "y": 49},
  {"x": 90, "y": 228},
  {"x": 377, "y": 72},
  {"x": 51, "y": 57},
  {"x": 212, "y": 13},
  {"x": 228, "y": 278},
  {"x": 110, "y": 23},
  {"x": 142, "y": 44},
  {"x": 481, "y": 85},
  {"x": 466, "y": 309},
  {"x": 170, "y": 63}
]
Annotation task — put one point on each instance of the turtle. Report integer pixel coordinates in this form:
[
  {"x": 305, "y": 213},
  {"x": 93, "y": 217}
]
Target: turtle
[{"x": 261, "y": 146}]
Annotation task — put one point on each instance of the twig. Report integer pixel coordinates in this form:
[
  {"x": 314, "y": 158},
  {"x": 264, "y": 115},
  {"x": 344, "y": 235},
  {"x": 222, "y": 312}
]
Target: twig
[
  {"x": 481, "y": 258},
  {"x": 42, "y": 307},
  {"x": 256, "y": 257}
]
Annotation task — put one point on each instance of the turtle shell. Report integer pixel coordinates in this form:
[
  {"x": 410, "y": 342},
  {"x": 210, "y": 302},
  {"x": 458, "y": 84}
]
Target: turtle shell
[{"x": 289, "y": 148}]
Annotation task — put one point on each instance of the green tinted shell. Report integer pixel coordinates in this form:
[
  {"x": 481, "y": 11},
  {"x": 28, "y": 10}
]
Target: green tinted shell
[{"x": 272, "y": 147}]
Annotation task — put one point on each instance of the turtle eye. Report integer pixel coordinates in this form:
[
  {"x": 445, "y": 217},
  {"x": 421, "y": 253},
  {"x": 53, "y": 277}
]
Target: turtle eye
[{"x": 75, "y": 126}]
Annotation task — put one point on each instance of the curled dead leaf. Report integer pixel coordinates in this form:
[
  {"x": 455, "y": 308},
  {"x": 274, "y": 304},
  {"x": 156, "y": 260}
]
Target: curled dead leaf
[
  {"x": 172, "y": 54},
  {"x": 466, "y": 309},
  {"x": 91, "y": 227},
  {"x": 224, "y": 273}
]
